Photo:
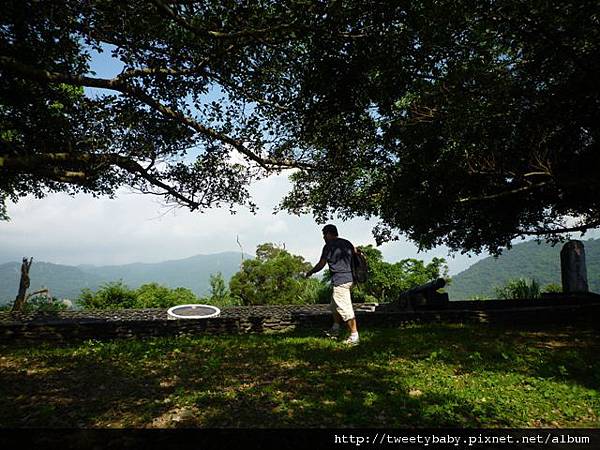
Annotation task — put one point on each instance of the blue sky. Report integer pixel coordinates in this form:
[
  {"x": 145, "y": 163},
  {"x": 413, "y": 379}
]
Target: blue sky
[{"x": 137, "y": 228}]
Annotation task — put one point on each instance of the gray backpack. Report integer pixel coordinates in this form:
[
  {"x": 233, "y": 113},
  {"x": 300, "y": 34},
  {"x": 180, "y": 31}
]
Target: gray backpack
[{"x": 360, "y": 269}]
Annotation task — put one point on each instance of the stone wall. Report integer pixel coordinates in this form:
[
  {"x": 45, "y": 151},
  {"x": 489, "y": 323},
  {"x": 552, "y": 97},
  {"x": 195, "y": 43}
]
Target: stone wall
[{"x": 67, "y": 326}]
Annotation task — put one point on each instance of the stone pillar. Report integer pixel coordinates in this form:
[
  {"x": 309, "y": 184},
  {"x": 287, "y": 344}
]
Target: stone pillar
[{"x": 573, "y": 269}]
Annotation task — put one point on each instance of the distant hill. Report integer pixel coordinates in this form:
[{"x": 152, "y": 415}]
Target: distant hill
[
  {"x": 68, "y": 281},
  {"x": 63, "y": 281},
  {"x": 527, "y": 260}
]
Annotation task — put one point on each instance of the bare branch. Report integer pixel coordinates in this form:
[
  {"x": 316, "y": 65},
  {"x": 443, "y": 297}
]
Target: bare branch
[
  {"x": 533, "y": 174},
  {"x": 503, "y": 194},
  {"x": 134, "y": 167},
  {"x": 41, "y": 291}
]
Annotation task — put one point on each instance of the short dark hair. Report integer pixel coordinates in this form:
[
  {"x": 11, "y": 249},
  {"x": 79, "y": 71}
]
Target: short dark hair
[{"x": 331, "y": 229}]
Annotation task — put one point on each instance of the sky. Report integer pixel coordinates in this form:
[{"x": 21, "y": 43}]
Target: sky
[{"x": 137, "y": 228}]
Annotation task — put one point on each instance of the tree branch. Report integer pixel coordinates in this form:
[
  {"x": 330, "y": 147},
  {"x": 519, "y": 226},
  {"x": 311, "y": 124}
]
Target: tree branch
[
  {"x": 584, "y": 227},
  {"x": 49, "y": 164},
  {"x": 503, "y": 194},
  {"x": 221, "y": 34},
  {"x": 133, "y": 166},
  {"x": 117, "y": 84},
  {"x": 250, "y": 97},
  {"x": 167, "y": 71}
]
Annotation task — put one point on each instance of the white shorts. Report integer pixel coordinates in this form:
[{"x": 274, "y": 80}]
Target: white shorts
[{"x": 342, "y": 302}]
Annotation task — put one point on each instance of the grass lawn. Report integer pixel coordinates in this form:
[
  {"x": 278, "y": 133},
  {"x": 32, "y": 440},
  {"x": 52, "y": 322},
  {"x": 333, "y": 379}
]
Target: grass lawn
[{"x": 420, "y": 375}]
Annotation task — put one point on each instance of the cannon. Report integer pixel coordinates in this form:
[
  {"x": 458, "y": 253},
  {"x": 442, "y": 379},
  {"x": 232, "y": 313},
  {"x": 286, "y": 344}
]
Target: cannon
[{"x": 425, "y": 295}]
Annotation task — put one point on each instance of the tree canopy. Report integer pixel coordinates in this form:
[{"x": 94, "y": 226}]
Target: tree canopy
[
  {"x": 274, "y": 277},
  {"x": 455, "y": 122},
  {"x": 117, "y": 295},
  {"x": 387, "y": 281}
]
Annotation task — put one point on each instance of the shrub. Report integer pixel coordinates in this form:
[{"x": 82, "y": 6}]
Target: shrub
[
  {"x": 113, "y": 295},
  {"x": 552, "y": 288},
  {"x": 316, "y": 292},
  {"x": 154, "y": 295},
  {"x": 388, "y": 280},
  {"x": 116, "y": 295},
  {"x": 519, "y": 289},
  {"x": 44, "y": 304},
  {"x": 219, "y": 293},
  {"x": 39, "y": 303}
]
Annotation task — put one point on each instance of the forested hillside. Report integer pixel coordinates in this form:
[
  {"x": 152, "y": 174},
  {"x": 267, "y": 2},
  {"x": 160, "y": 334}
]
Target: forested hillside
[
  {"x": 68, "y": 281},
  {"x": 63, "y": 281},
  {"x": 528, "y": 260},
  {"x": 525, "y": 260}
]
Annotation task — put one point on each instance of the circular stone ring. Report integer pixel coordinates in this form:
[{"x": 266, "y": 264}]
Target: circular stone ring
[{"x": 193, "y": 312}]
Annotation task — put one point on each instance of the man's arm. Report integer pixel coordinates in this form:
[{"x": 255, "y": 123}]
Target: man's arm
[{"x": 317, "y": 268}]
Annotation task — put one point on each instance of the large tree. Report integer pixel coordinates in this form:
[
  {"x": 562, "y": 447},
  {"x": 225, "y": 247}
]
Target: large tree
[
  {"x": 487, "y": 124},
  {"x": 274, "y": 277},
  {"x": 463, "y": 123}
]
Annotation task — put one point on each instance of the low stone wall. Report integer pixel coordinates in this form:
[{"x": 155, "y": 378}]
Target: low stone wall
[
  {"x": 127, "y": 323},
  {"x": 68, "y": 326}
]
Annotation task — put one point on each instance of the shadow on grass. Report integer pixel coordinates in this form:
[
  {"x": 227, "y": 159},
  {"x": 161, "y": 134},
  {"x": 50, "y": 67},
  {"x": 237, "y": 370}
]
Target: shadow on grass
[
  {"x": 415, "y": 376},
  {"x": 567, "y": 353}
]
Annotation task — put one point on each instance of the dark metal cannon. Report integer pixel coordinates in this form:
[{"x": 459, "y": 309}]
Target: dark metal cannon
[{"x": 426, "y": 295}]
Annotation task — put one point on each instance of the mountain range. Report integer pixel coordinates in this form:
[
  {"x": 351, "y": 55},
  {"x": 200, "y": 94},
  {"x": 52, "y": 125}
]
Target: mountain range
[
  {"x": 525, "y": 260},
  {"x": 67, "y": 281}
]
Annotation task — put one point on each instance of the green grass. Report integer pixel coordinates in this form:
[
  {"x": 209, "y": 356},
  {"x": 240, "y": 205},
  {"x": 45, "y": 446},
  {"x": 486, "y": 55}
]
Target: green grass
[{"x": 422, "y": 375}]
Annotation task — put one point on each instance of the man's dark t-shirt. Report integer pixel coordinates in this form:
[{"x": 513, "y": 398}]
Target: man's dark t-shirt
[{"x": 338, "y": 254}]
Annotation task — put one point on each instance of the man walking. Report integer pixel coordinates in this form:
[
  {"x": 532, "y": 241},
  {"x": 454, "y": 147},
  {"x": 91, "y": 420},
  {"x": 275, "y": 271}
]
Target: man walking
[{"x": 337, "y": 252}]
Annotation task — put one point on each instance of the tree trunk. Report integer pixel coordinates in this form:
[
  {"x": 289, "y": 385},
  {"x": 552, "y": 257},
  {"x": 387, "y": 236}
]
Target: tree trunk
[{"x": 23, "y": 285}]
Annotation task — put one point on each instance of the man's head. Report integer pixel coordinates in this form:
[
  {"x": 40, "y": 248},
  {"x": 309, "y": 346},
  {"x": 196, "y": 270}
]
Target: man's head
[{"x": 330, "y": 232}]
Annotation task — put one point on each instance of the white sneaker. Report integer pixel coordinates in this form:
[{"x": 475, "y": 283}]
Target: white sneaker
[{"x": 352, "y": 341}]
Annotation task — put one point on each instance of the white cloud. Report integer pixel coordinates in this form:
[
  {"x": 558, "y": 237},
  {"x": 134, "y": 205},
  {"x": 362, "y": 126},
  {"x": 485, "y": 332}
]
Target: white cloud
[{"x": 278, "y": 227}]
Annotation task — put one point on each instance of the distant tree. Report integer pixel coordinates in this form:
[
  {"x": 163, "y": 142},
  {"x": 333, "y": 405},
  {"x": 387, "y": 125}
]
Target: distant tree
[
  {"x": 387, "y": 280},
  {"x": 117, "y": 295},
  {"x": 153, "y": 295},
  {"x": 273, "y": 277},
  {"x": 219, "y": 293},
  {"x": 114, "y": 295},
  {"x": 43, "y": 303},
  {"x": 218, "y": 287}
]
